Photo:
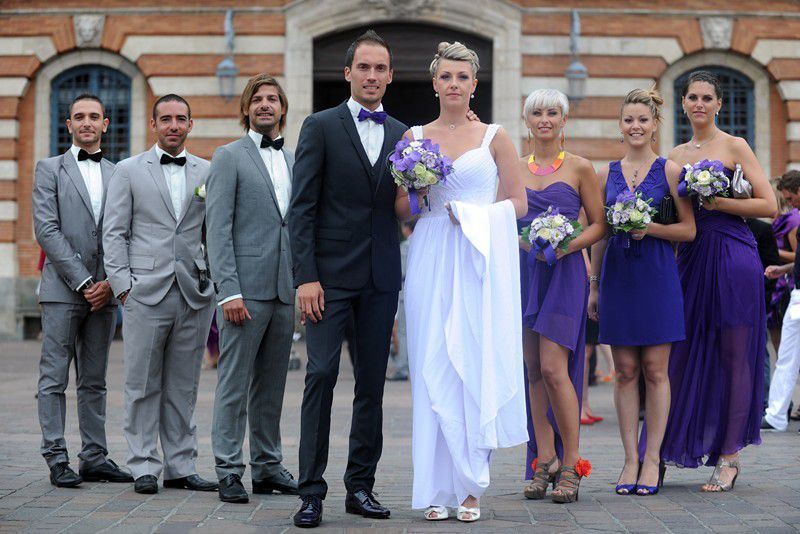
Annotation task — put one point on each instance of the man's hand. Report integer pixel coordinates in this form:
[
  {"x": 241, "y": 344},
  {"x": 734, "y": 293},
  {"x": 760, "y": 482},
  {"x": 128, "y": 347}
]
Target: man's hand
[
  {"x": 98, "y": 294},
  {"x": 472, "y": 116},
  {"x": 311, "y": 298},
  {"x": 235, "y": 312}
]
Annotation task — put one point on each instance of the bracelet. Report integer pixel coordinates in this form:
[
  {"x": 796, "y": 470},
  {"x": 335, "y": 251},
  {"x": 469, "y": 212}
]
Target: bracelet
[{"x": 594, "y": 279}]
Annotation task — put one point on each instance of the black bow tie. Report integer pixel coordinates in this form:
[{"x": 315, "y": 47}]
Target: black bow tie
[
  {"x": 83, "y": 155},
  {"x": 266, "y": 142},
  {"x": 166, "y": 159}
]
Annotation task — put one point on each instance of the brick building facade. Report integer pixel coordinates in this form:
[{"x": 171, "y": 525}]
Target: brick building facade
[{"x": 154, "y": 47}]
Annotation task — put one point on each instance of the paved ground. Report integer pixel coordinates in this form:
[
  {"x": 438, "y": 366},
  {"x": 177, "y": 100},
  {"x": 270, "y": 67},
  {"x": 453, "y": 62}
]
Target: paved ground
[{"x": 767, "y": 496}]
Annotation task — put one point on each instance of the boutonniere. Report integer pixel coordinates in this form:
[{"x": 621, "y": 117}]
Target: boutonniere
[{"x": 200, "y": 192}]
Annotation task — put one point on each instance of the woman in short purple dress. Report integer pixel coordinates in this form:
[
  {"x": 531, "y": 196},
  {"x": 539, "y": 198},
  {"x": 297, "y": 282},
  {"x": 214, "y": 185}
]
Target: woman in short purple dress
[
  {"x": 554, "y": 299},
  {"x": 717, "y": 372}
]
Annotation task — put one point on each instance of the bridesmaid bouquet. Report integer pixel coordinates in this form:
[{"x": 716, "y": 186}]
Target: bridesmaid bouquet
[
  {"x": 549, "y": 231},
  {"x": 630, "y": 212},
  {"x": 418, "y": 164},
  {"x": 705, "y": 179}
]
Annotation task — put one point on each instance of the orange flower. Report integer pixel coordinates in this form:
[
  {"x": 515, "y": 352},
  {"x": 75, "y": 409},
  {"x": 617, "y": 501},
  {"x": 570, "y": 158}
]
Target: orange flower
[
  {"x": 534, "y": 463},
  {"x": 583, "y": 468}
]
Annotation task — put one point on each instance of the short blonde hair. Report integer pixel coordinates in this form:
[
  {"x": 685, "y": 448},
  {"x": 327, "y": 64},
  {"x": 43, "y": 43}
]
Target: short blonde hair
[
  {"x": 545, "y": 98},
  {"x": 650, "y": 98},
  {"x": 455, "y": 52}
]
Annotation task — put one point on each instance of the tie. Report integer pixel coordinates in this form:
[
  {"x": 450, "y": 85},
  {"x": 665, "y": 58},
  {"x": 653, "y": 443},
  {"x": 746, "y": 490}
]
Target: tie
[
  {"x": 83, "y": 155},
  {"x": 166, "y": 159},
  {"x": 378, "y": 117},
  {"x": 277, "y": 143}
]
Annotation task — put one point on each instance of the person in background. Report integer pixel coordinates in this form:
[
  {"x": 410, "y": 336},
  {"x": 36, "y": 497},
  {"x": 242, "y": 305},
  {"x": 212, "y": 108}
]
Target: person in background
[
  {"x": 784, "y": 227},
  {"x": 400, "y": 371}
]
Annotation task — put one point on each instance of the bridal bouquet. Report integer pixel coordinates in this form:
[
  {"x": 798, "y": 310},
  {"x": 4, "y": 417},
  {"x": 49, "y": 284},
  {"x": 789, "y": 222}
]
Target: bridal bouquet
[
  {"x": 549, "y": 231},
  {"x": 630, "y": 212},
  {"x": 418, "y": 164},
  {"x": 705, "y": 179}
]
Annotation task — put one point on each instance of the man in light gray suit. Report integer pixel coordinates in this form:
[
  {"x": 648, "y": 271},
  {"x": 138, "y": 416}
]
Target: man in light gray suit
[
  {"x": 157, "y": 268},
  {"x": 78, "y": 311},
  {"x": 249, "y": 188}
]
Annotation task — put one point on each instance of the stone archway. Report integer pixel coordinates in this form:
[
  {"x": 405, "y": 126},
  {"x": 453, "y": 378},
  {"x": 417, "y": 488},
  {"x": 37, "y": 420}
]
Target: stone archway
[{"x": 494, "y": 20}]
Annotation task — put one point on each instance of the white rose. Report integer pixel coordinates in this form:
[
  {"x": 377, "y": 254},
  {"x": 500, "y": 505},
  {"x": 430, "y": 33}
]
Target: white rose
[{"x": 704, "y": 178}]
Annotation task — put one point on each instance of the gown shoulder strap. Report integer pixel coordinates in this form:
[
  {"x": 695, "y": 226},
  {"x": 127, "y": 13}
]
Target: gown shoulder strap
[
  {"x": 416, "y": 131},
  {"x": 491, "y": 130}
]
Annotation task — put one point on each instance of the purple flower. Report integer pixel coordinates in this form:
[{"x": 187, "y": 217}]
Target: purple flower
[{"x": 626, "y": 196}]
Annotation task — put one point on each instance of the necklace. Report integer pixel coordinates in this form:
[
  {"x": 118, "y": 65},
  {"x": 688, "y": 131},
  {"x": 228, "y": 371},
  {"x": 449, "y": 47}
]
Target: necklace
[
  {"x": 636, "y": 172},
  {"x": 698, "y": 145},
  {"x": 550, "y": 169}
]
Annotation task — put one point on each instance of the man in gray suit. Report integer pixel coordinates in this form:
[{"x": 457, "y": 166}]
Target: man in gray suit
[
  {"x": 78, "y": 311},
  {"x": 249, "y": 188},
  {"x": 157, "y": 268}
]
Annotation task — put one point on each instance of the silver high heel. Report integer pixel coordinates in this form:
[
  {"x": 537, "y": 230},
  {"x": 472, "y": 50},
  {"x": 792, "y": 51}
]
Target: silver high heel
[{"x": 714, "y": 480}]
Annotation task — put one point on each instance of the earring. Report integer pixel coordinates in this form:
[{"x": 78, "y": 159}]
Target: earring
[
  {"x": 563, "y": 139},
  {"x": 653, "y": 139},
  {"x": 621, "y": 138},
  {"x": 529, "y": 135},
  {"x": 472, "y": 95},
  {"x": 437, "y": 95}
]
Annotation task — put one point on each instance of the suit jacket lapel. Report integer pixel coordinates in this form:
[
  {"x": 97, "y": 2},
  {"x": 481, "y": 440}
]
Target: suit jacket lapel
[
  {"x": 71, "y": 166},
  {"x": 190, "y": 172},
  {"x": 350, "y": 128},
  {"x": 106, "y": 169},
  {"x": 157, "y": 174},
  {"x": 253, "y": 151}
]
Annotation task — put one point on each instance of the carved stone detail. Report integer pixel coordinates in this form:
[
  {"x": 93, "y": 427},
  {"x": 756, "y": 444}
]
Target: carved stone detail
[
  {"x": 88, "y": 30},
  {"x": 402, "y": 8},
  {"x": 717, "y": 32}
]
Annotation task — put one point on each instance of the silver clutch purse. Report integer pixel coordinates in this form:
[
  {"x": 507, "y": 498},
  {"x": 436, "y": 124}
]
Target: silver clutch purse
[{"x": 741, "y": 187}]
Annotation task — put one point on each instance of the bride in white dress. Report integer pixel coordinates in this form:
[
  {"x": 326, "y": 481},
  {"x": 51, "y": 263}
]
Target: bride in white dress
[{"x": 462, "y": 301}]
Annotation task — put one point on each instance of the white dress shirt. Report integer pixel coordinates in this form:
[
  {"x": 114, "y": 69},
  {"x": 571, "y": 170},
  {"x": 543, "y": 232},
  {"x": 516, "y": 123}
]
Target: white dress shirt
[
  {"x": 371, "y": 134},
  {"x": 278, "y": 171},
  {"x": 176, "y": 181},
  {"x": 93, "y": 178}
]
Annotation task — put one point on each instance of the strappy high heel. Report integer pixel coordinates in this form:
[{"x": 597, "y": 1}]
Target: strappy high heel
[
  {"x": 646, "y": 491},
  {"x": 627, "y": 489},
  {"x": 542, "y": 477},
  {"x": 569, "y": 480},
  {"x": 714, "y": 480}
]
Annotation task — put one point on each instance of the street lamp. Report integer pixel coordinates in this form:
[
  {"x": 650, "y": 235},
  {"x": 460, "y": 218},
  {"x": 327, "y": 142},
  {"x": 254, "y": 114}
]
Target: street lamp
[
  {"x": 227, "y": 70},
  {"x": 576, "y": 73}
]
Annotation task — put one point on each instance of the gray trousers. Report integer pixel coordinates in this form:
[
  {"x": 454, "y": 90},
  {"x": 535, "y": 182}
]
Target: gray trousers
[
  {"x": 72, "y": 332},
  {"x": 251, "y": 379},
  {"x": 163, "y": 352}
]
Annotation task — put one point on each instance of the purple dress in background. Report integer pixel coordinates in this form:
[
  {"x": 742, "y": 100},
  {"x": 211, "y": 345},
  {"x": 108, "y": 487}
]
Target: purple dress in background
[
  {"x": 783, "y": 224},
  {"x": 717, "y": 372},
  {"x": 554, "y": 299}
]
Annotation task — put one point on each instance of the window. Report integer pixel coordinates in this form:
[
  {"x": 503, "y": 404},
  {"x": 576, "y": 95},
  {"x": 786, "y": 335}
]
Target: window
[
  {"x": 737, "y": 114},
  {"x": 113, "y": 88}
]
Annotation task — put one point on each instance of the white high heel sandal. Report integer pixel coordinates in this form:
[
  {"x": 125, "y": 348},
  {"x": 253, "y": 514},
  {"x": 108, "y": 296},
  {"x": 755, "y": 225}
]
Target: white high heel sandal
[
  {"x": 440, "y": 511},
  {"x": 474, "y": 514}
]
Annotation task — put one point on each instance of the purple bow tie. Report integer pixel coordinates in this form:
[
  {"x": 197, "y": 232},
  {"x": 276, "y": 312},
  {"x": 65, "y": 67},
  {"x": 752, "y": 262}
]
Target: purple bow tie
[{"x": 378, "y": 117}]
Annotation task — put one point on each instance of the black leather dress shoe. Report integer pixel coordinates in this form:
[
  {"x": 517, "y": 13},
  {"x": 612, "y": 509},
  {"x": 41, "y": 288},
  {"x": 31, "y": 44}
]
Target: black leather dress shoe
[
  {"x": 192, "y": 482},
  {"x": 766, "y": 426},
  {"x": 146, "y": 484},
  {"x": 108, "y": 471},
  {"x": 310, "y": 513},
  {"x": 62, "y": 476},
  {"x": 364, "y": 503},
  {"x": 232, "y": 490},
  {"x": 283, "y": 482}
]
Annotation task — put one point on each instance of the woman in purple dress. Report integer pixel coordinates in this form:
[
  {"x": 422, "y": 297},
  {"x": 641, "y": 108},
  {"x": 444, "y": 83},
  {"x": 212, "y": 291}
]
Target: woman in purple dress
[
  {"x": 716, "y": 373},
  {"x": 554, "y": 299},
  {"x": 785, "y": 229},
  {"x": 639, "y": 269}
]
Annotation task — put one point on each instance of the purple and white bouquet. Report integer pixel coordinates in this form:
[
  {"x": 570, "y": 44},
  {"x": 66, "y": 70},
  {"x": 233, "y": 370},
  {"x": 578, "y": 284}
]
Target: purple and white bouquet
[
  {"x": 705, "y": 179},
  {"x": 416, "y": 164},
  {"x": 630, "y": 212},
  {"x": 548, "y": 231}
]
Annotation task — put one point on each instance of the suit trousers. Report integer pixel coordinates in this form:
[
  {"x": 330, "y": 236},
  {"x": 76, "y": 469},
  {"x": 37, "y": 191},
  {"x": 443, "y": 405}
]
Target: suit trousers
[
  {"x": 164, "y": 347},
  {"x": 251, "y": 379},
  {"x": 374, "y": 313},
  {"x": 787, "y": 365},
  {"x": 73, "y": 332}
]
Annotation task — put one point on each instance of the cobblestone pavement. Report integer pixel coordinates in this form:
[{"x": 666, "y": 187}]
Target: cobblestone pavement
[{"x": 766, "y": 499}]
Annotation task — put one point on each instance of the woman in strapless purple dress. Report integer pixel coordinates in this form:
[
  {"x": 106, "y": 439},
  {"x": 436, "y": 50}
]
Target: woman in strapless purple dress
[
  {"x": 554, "y": 299},
  {"x": 716, "y": 373}
]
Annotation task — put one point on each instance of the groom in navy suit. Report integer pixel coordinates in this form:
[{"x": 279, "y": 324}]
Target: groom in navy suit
[{"x": 346, "y": 260}]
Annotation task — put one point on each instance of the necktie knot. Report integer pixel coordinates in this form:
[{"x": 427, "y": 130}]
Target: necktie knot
[
  {"x": 378, "y": 117},
  {"x": 166, "y": 159},
  {"x": 277, "y": 143},
  {"x": 96, "y": 157}
]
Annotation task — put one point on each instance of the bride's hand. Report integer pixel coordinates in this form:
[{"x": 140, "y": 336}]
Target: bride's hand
[
  {"x": 524, "y": 244},
  {"x": 450, "y": 214}
]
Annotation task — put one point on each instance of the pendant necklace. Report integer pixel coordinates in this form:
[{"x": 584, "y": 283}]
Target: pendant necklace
[
  {"x": 698, "y": 145},
  {"x": 550, "y": 169}
]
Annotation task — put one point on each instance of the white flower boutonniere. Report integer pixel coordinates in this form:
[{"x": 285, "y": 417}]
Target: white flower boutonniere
[{"x": 200, "y": 192}]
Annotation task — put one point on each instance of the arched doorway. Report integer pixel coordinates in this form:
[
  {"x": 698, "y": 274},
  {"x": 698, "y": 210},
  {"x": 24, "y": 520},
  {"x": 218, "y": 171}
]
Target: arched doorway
[{"x": 410, "y": 97}]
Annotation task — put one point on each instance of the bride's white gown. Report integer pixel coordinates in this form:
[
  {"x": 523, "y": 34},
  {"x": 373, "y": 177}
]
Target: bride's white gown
[{"x": 463, "y": 312}]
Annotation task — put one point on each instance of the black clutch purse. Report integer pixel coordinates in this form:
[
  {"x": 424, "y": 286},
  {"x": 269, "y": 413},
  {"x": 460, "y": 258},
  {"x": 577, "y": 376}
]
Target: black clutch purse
[{"x": 667, "y": 213}]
